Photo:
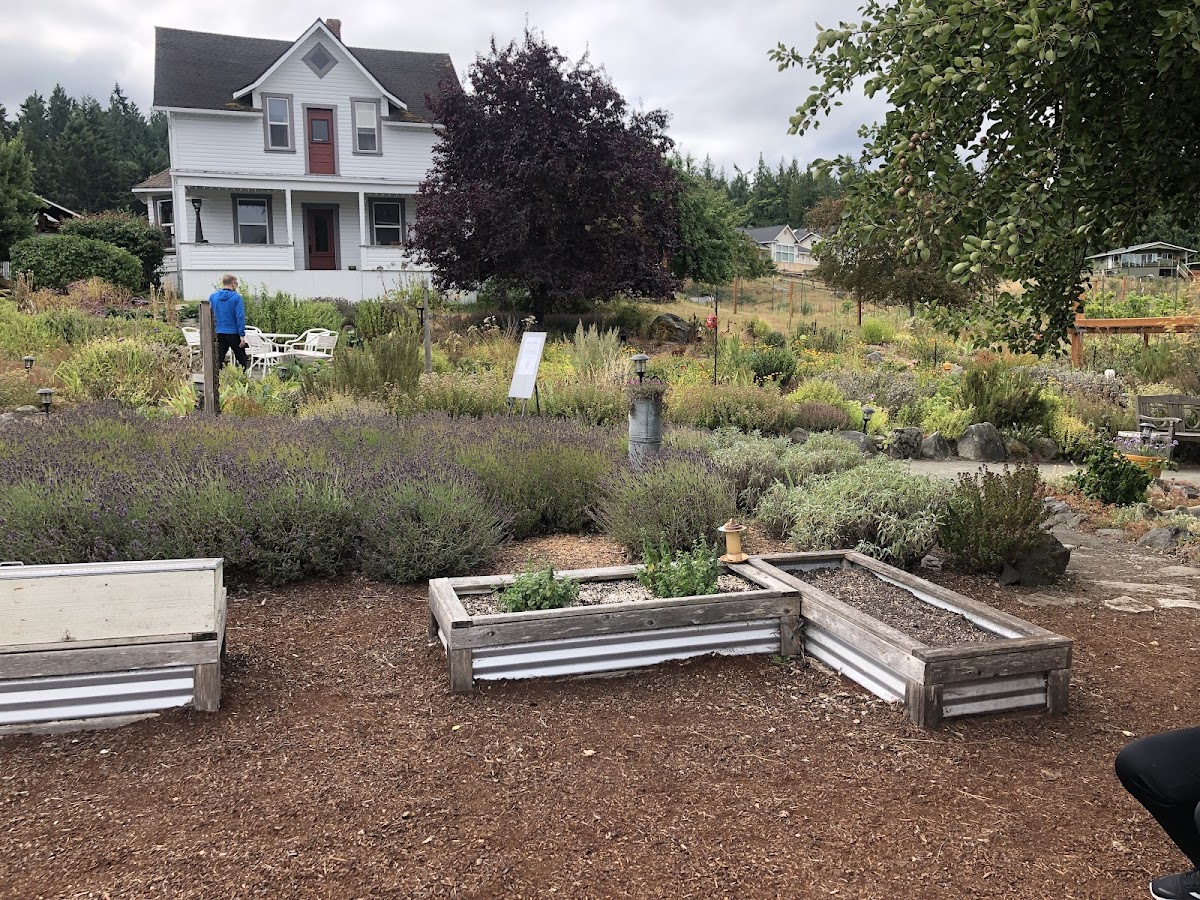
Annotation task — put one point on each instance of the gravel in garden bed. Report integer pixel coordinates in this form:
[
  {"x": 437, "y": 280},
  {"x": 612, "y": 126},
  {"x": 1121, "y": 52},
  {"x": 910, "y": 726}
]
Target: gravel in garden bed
[
  {"x": 595, "y": 593},
  {"x": 896, "y": 607}
]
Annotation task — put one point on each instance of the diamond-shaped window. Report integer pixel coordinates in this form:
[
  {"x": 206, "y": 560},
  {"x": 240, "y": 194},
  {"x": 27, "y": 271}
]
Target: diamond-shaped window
[{"x": 320, "y": 60}]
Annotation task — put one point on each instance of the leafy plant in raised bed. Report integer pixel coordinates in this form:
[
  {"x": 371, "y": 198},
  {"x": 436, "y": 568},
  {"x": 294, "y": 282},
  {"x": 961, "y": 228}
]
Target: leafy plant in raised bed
[
  {"x": 993, "y": 518},
  {"x": 1110, "y": 478},
  {"x": 679, "y": 573},
  {"x": 538, "y": 589}
]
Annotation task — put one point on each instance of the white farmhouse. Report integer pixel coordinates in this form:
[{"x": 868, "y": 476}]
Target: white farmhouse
[
  {"x": 294, "y": 164},
  {"x": 790, "y": 250}
]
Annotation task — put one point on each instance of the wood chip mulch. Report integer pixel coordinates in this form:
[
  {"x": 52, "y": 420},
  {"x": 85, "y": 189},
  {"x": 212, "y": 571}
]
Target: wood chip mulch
[{"x": 341, "y": 766}]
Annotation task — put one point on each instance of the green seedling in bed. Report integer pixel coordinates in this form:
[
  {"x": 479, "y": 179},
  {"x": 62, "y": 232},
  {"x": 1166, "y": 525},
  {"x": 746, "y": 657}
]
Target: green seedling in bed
[
  {"x": 682, "y": 573},
  {"x": 538, "y": 590}
]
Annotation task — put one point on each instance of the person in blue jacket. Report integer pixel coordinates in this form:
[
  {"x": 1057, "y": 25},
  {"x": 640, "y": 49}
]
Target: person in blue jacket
[
  {"x": 1162, "y": 772},
  {"x": 229, "y": 313}
]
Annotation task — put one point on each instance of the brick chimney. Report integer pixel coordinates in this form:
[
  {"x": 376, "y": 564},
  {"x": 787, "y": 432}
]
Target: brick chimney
[{"x": 335, "y": 25}]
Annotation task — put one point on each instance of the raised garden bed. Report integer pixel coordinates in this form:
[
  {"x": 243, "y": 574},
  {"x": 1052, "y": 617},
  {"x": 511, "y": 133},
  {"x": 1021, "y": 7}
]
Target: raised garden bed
[
  {"x": 608, "y": 631},
  {"x": 908, "y": 640}
]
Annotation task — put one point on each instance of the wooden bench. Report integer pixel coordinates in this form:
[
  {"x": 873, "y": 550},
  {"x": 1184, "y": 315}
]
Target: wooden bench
[
  {"x": 1178, "y": 415},
  {"x": 96, "y": 644}
]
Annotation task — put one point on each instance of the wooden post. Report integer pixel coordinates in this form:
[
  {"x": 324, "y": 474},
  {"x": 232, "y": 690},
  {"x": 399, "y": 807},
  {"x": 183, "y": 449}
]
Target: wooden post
[
  {"x": 462, "y": 676},
  {"x": 208, "y": 359},
  {"x": 860, "y": 312},
  {"x": 923, "y": 703},
  {"x": 425, "y": 319},
  {"x": 1076, "y": 348},
  {"x": 1058, "y": 685},
  {"x": 791, "y": 640},
  {"x": 206, "y": 689}
]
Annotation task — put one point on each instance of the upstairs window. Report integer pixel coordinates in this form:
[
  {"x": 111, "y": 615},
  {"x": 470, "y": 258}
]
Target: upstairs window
[
  {"x": 252, "y": 220},
  {"x": 277, "y": 116},
  {"x": 366, "y": 126},
  {"x": 387, "y": 223},
  {"x": 164, "y": 214}
]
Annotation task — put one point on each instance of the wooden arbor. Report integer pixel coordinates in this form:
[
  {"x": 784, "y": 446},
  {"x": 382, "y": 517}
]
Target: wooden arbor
[{"x": 1145, "y": 327}]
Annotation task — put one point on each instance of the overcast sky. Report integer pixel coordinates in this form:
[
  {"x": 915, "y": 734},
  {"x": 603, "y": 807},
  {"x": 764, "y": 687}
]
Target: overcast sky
[{"x": 704, "y": 61}]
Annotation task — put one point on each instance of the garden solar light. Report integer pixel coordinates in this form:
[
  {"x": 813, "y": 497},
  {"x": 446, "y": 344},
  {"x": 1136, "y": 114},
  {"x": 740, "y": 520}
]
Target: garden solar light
[
  {"x": 639, "y": 365},
  {"x": 868, "y": 411},
  {"x": 1147, "y": 429},
  {"x": 46, "y": 395},
  {"x": 28, "y": 360},
  {"x": 733, "y": 542}
]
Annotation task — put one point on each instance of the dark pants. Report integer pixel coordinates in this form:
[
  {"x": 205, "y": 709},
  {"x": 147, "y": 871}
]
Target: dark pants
[
  {"x": 227, "y": 342},
  {"x": 1162, "y": 772}
]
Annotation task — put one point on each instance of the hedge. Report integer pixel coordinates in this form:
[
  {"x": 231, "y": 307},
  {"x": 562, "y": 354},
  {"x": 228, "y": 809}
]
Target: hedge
[
  {"x": 129, "y": 232},
  {"x": 58, "y": 260}
]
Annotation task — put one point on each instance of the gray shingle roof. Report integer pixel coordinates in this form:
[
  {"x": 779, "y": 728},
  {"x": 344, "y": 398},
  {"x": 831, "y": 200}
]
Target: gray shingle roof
[
  {"x": 765, "y": 234},
  {"x": 156, "y": 181},
  {"x": 1138, "y": 248},
  {"x": 198, "y": 70}
]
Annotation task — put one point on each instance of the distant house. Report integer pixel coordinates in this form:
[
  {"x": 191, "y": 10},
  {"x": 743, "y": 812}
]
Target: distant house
[
  {"x": 790, "y": 250},
  {"x": 50, "y": 216},
  {"x": 1153, "y": 260},
  {"x": 294, "y": 163}
]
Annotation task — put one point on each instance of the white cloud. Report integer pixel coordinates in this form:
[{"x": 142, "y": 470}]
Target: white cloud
[{"x": 703, "y": 61}]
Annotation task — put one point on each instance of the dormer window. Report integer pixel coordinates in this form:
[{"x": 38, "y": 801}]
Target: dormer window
[
  {"x": 320, "y": 60},
  {"x": 277, "y": 122},
  {"x": 366, "y": 125}
]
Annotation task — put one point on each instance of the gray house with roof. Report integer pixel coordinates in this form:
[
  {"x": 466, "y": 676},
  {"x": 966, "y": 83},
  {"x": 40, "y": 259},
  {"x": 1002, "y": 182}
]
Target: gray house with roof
[
  {"x": 790, "y": 250},
  {"x": 294, "y": 164},
  {"x": 1153, "y": 260}
]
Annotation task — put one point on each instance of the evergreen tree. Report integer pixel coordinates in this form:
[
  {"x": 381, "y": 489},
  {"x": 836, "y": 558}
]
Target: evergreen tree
[
  {"x": 34, "y": 127},
  {"x": 92, "y": 177},
  {"x": 8, "y": 129},
  {"x": 17, "y": 201}
]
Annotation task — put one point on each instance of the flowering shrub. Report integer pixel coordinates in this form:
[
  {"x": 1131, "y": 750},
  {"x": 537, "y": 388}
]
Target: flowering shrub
[{"x": 1156, "y": 445}]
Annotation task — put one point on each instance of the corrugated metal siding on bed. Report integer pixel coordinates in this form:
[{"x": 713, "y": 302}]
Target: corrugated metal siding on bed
[
  {"x": 850, "y": 661},
  {"x": 30, "y": 700},
  {"x": 998, "y": 694},
  {"x": 625, "y": 651}
]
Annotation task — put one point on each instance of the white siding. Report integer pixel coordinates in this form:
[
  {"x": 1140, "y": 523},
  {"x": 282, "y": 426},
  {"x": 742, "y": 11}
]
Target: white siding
[{"x": 209, "y": 143}]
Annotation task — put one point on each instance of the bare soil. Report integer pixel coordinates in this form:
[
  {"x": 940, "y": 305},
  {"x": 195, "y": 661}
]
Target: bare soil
[
  {"x": 897, "y": 607},
  {"x": 340, "y": 765}
]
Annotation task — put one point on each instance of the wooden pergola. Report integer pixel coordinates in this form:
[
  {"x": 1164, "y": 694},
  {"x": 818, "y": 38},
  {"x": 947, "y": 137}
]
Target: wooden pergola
[{"x": 1145, "y": 327}]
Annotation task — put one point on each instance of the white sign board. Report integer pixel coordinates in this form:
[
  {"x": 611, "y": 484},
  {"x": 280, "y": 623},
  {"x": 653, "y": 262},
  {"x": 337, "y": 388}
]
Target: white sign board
[{"x": 528, "y": 359}]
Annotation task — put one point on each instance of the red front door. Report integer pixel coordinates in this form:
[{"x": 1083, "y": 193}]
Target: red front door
[
  {"x": 319, "y": 128},
  {"x": 318, "y": 230}
]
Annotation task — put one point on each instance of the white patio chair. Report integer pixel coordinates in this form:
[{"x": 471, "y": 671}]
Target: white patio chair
[
  {"x": 263, "y": 354},
  {"x": 315, "y": 345},
  {"x": 191, "y": 334}
]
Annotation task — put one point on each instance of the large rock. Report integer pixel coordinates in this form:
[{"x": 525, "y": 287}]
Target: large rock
[
  {"x": 1161, "y": 538},
  {"x": 798, "y": 436},
  {"x": 859, "y": 440},
  {"x": 1044, "y": 449},
  {"x": 667, "y": 326},
  {"x": 1044, "y": 564},
  {"x": 905, "y": 443},
  {"x": 1016, "y": 451},
  {"x": 982, "y": 443},
  {"x": 874, "y": 357},
  {"x": 935, "y": 447}
]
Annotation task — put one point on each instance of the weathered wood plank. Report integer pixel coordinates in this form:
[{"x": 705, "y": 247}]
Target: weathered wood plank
[
  {"x": 109, "y": 607},
  {"x": 621, "y": 618},
  {"x": 962, "y": 603},
  {"x": 67, "y": 726},
  {"x": 488, "y": 583},
  {"x": 446, "y": 608},
  {"x": 871, "y": 637},
  {"x": 206, "y": 691},
  {"x": 131, "y": 641},
  {"x": 791, "y": 636},
  {"x": 1058, "y": 690},
  {"x": 990, "y": 664},
  {"x": 462, "y": 676},
  {"x": 133, "y": 567},
  {"x": 923, "y": 704},
  {"x": 72, "y": 661}
]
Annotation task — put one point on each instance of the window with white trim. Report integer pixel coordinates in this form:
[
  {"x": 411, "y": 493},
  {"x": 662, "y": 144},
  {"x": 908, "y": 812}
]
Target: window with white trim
[
  {"x": 253, "y": 220},
  {"x": 366, "y": 126},
  {"x": 387, "y": 223},
  {"x": 278, "y": 112},
  {"x": 785, "y": 253},
  {"x": 164, "y": 215}
]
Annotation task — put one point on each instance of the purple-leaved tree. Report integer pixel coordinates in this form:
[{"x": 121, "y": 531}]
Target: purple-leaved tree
[{"x": 543, "y": 179}]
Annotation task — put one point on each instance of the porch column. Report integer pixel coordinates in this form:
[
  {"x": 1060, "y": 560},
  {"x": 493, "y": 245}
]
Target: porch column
[
  {"x": 287, "y": 207},
  {"x": 362, "y": 219},
  {"x": 179, "y": 203}
]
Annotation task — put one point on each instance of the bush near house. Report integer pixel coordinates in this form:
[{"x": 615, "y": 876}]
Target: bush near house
[
  {"x": 60, "y": 259},
  {"x": 129, "y": 232}
]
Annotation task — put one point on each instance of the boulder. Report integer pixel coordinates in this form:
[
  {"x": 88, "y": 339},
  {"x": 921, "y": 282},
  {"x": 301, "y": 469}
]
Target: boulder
[
  {"x": 798, "y": 436},
  {"x": 905, "y": 443},
  {"x": 935, "y": 447},
  {"x": 982, "y": 443},
  {"x": 1017, "y": 451},
  {"x": 667, "y": 326},
  {"x": 1147, "y": 512},
  {"x": 1044, "y": 449},
  {"x": 1161, "y": 538},
  {"x": 859, "y": 440},
  {"x": 1055, "y": 506},
  {"x": 1044, "y": 564},
  {"x": 930, "y": 562},
  {"x": 1118, "y": 533},
  {"x": 874, "y": 357}
]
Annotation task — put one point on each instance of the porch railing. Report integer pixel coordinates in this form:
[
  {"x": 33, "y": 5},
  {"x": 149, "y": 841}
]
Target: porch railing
[{"x": 261, "y": 257}]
